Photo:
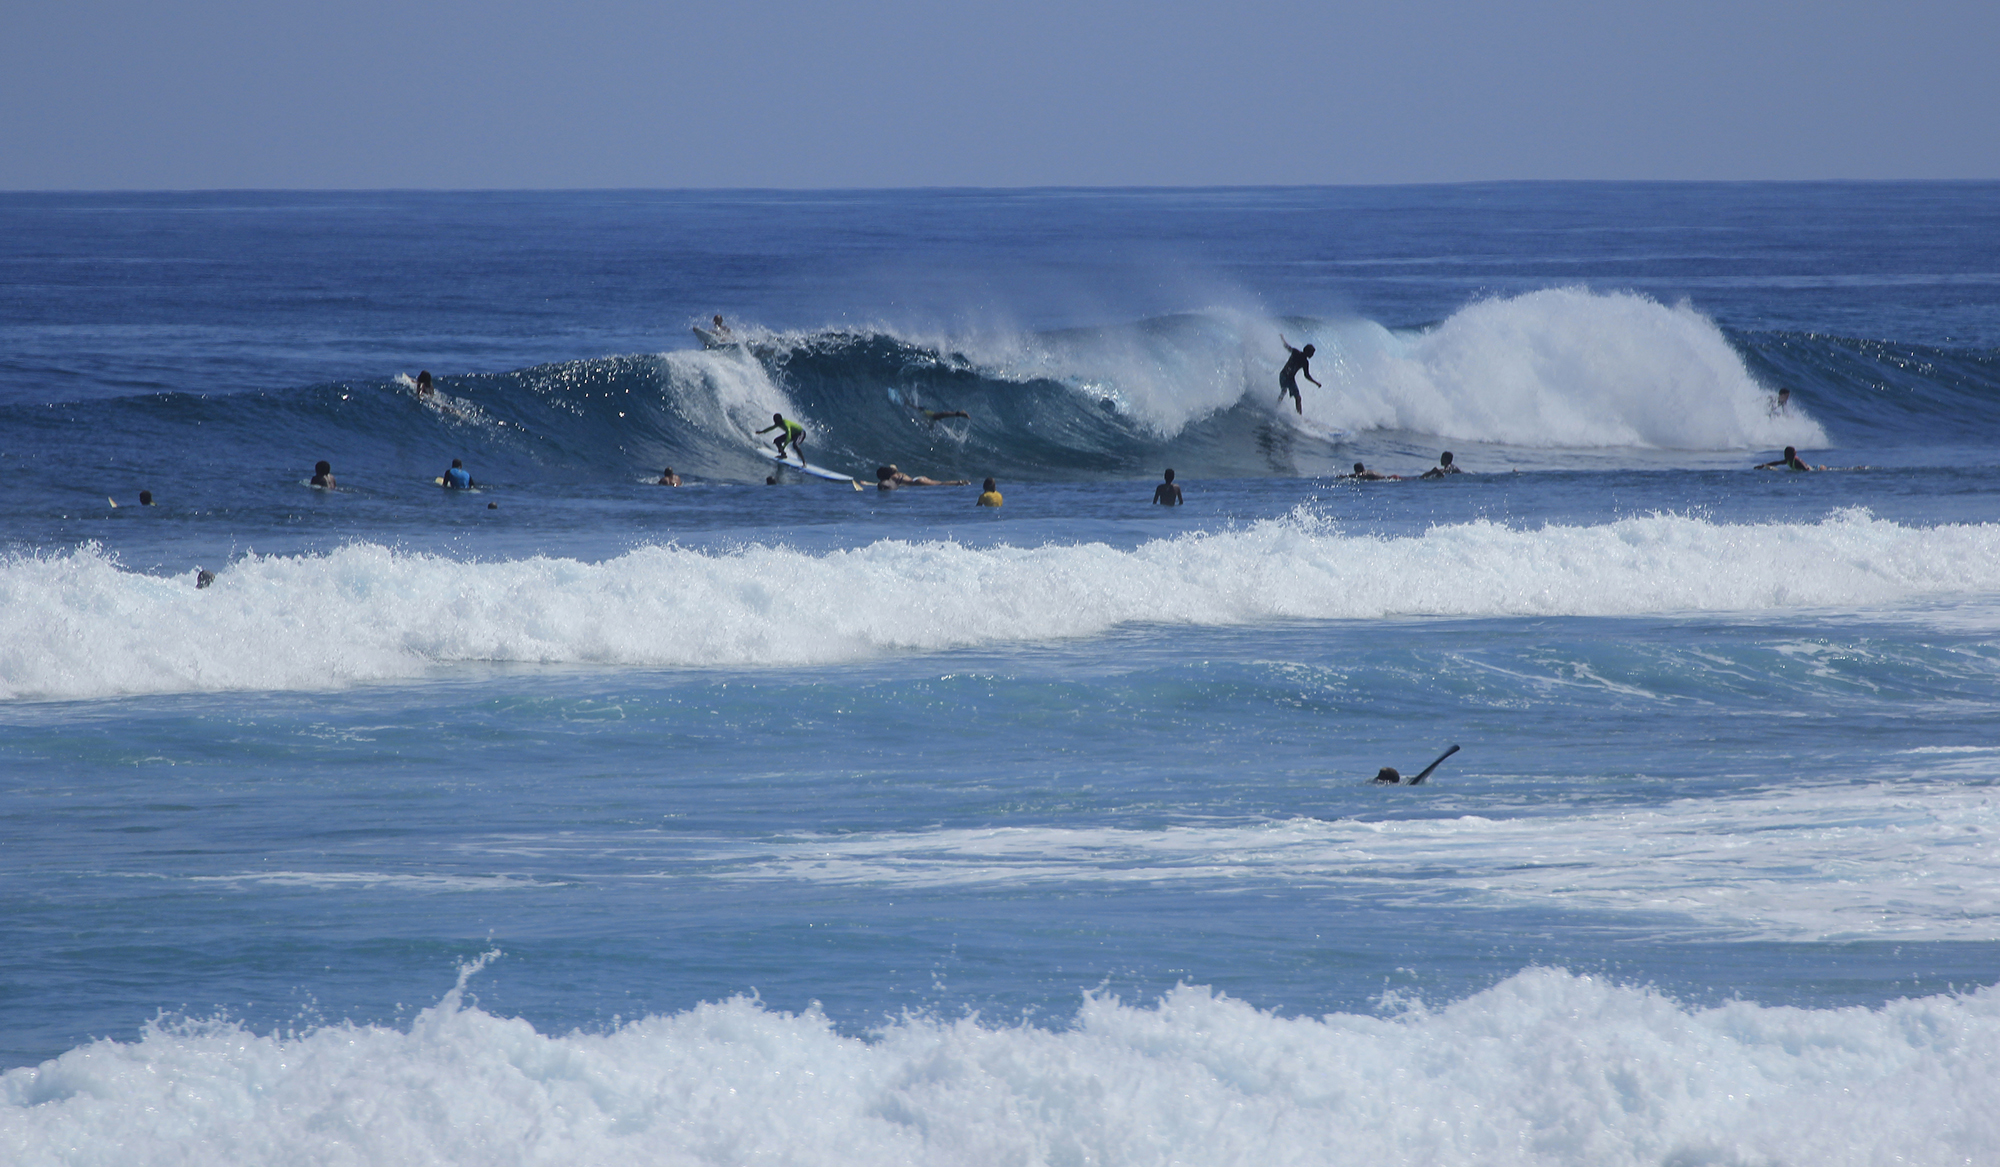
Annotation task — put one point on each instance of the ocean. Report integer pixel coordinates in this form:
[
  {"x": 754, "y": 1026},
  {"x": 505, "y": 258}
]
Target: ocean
[{"x": 580, "y": 819}]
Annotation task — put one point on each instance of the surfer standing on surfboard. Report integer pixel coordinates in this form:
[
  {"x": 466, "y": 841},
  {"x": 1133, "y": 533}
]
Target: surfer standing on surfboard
[
  {"x": 1296, "y": 363},
  {"x": 794, "y": 434}
]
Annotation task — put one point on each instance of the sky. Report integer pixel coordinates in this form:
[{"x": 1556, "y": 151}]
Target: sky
[{"x": 531, "y": 94}]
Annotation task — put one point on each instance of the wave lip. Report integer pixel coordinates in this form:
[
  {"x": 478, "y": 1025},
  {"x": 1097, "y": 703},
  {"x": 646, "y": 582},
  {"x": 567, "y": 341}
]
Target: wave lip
[
  {"x": 75, "y": 625},
  {"x": 1545, "y": 1068}
]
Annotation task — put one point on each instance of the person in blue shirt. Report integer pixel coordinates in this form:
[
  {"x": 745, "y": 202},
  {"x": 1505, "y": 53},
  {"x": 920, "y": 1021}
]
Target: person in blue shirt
[{"x": 457, "y": 478}]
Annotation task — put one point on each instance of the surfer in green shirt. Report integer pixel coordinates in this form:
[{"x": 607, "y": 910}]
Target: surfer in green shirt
[{"x": 794, "y": 433}]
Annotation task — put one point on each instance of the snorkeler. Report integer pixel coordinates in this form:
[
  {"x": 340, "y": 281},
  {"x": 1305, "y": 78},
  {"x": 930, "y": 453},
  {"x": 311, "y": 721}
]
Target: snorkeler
[
  {"x": 1298, "y": 362},
  {"x": 794, "y": 433}
]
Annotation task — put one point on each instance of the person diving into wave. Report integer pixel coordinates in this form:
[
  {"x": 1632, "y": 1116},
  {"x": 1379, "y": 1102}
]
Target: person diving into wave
[{"x": 1298, "y": 362}]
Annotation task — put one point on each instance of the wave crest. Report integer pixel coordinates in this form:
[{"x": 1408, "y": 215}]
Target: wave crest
[{"x": 75, "y": 625}]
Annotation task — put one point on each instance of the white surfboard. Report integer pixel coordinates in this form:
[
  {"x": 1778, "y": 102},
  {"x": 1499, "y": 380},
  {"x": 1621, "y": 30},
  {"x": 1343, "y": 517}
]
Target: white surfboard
[
  {"x": 808, "y": 468},
  {"x": 710, "y": 339}
]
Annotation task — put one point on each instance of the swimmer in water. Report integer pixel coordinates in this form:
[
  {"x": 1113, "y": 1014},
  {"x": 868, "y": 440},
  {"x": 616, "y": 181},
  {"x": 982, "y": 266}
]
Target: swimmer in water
[
  {"x": 1791, "y": 461},
  {"x": 795, "y": 435},
  {"x": 424, "y": 383},
  {"x": 668, "y": 478},
  {"x": 1166, "y": 494},
  {"x": 895, "y": 475},
  {"x": 457, "y": 478},
  {"x": 323, "y": 475},
  {"x": 1298, "y": 362},
  {"x": 990, "y": 496},
  {"x": 1443, "y": 467},
  {"x": 1366, "y": 475}
]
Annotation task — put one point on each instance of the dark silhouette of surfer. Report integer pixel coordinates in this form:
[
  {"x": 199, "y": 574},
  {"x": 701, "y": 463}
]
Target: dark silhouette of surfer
[
  {"x": 1167, "y": 494},
  {"x": 1791, "y": 461},
  {"x": 1298, "y": 362},
  {"x": 1388, "y": 776}
]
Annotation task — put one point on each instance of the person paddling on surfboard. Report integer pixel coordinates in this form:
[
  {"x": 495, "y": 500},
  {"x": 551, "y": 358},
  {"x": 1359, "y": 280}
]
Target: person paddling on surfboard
[
  {"x": 456, "y": 478},
  {"x": 1298, "y": 362},
  {"x": 1791, "y": 461},
  {"x": 794, "y": 434}
]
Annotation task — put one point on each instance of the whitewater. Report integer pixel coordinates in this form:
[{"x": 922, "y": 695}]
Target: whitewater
[
  {"x": 581, "y": 819},
  {"x": 77, "y": 626}
]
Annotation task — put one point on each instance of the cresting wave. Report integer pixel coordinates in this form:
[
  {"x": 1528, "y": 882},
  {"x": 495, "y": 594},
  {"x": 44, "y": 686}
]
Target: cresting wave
[
  {"x": 1547, "y": 1069},
  {"x": 1548, "y": 371},
  {"x": 76, "y": 625}
]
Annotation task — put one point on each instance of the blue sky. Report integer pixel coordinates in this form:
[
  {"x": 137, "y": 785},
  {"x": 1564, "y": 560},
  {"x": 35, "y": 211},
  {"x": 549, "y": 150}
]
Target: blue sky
[{"x": 114, "y": 94}]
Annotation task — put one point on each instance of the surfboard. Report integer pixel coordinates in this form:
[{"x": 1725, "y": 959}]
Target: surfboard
[
  {"x": 809, "y": 468},
  {"x": 712, "y": 339}
]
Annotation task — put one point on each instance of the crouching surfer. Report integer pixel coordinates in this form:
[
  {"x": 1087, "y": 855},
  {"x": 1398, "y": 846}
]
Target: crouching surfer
[{"x": 794, "y": 435}]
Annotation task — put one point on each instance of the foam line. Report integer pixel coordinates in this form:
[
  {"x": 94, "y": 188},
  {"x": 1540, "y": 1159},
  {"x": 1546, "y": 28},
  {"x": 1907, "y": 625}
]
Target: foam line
[
  {"x": 75, "y": 624},
  {"x": 1546, "y": 1069}
]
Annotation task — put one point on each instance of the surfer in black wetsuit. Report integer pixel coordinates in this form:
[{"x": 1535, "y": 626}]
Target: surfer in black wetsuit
[{"x": 1295, "y": 364}]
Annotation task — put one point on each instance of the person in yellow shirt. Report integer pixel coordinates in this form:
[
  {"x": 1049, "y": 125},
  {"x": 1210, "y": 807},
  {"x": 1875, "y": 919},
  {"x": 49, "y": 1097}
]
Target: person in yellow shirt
[{"x": 991, "y": 497}]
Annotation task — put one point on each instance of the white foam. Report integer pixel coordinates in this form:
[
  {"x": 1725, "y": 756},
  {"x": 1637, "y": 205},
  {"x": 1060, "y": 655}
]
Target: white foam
[
  {"x": 1545, "y": 1069},
  {"x": 1812, "y": 864},
  {"x": 75, "y": 625},
  {"x": 1562, "y": 368}
]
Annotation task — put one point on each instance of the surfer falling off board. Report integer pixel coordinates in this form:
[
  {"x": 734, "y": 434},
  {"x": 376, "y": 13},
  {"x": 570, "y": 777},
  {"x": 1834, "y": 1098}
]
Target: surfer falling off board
[
  {"x": 793, "y": 433},
  {"x": 1297, "y": 363}
]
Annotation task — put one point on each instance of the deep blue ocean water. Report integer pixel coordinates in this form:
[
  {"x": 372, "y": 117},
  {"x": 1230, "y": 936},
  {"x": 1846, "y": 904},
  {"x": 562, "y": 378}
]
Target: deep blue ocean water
[{"x": 582, "y": 819}]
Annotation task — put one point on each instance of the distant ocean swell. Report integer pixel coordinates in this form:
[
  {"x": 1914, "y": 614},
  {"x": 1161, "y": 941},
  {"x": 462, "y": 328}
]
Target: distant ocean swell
[
  {"x": 1546, "y": 1069},
  {"x": 76, "y": 625}
]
